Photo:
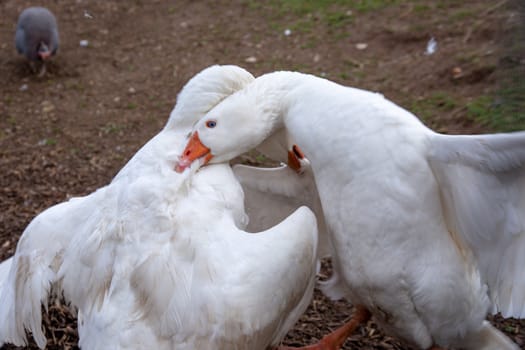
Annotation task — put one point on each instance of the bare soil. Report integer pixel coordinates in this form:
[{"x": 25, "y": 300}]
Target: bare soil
[{"x": 69, "y": 132}]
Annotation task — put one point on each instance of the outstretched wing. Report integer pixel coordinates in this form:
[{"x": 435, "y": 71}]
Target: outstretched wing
[
  {"x": 5, "y": 266},
  {"x": 33, "y": 269},
  {"x": 482, "y": 185}
]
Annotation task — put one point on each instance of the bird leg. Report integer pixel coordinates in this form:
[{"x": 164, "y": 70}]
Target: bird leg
[
  {"x": 336, "y": 339},
  {"x": 32, "y": 65},
  {"x": 42, "y": 70},
  {"x": 34, "y": 68}
]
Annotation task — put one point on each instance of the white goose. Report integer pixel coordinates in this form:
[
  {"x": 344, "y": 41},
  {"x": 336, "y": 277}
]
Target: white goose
[
  {"x": 428, "y": 229},
  {"x": 159, "y": 260}
]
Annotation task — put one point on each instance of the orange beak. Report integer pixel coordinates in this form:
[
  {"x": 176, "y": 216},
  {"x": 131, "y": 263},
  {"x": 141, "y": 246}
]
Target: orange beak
[
  {"x": 294, "y": 157},
  {"x": 194, "y": 150}
]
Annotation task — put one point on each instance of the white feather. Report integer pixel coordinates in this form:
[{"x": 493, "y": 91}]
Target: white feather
[
  {"x": 482, "y": 184},
  {"x": 427, "y": 230},
  {"x": 157, "y": 259}
]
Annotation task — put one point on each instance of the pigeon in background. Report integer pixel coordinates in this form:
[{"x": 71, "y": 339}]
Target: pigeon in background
[{"x": 37, "y": 36}]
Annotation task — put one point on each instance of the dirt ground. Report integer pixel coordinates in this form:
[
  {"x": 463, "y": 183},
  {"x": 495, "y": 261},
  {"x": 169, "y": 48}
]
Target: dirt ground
[{"x": 68, "y": 133}]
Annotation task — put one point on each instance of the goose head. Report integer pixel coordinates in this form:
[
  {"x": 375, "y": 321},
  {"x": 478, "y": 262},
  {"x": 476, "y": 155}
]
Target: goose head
[
  {"x": 233, "y": 127},
  {"x": 43, "y": 51},
  {"x": 205, "y": 91}
]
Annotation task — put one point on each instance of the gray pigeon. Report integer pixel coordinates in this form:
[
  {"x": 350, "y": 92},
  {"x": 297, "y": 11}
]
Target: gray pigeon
[{"x": 37, "y": 35}]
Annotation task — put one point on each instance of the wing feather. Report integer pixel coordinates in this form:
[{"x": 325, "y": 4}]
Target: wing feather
[
  {"x": 482, "y": 185},
  {"x": 272, "y": 194}
]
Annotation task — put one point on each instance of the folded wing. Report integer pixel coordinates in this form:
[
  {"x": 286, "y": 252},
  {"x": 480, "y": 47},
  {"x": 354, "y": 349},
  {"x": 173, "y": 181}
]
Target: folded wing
[
  {"x": 240, "y": 291},
  {"x": 271, "y": 194}
]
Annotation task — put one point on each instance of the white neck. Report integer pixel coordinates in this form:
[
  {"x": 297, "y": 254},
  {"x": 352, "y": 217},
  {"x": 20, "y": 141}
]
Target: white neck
[
  {"x": 312, "y": 107},
  {"x": 270, "y": 92}
]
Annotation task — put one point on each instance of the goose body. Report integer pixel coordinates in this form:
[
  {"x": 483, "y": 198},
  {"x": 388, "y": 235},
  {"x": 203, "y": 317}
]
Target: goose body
[
  {"x": 161, "y": 260},
  {"x": 428, "y": 230}
]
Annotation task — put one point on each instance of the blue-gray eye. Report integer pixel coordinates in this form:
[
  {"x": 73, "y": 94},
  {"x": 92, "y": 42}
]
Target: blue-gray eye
[{"x": 211, "y": 123}]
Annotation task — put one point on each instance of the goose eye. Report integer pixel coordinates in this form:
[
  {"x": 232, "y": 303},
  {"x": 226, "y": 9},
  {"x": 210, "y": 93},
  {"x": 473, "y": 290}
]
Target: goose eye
[{"x": 211, "y": 124}]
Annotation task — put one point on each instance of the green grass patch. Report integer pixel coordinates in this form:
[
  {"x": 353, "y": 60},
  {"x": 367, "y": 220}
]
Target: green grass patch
[
  {"x": 301, "y": 26},
  {"x": 48, "y": 142},
  {"x": 11, "y": 120},
  {"x": 421, "y": 8},
  {"x": 430, "y": 109},
  {"x": 302, "y": 7},
  {"x": 503, "y": 112},
  {"x": 510, "y": 329},
  {"x": 261, "y": 158},
  {"x": 307, "y": 16},
  {"x": 470, "y": 58},
  {"x": 111, "y": 128},
  {"x": 372, "y": 5},
  {"x": 131, "y": 106},
  {"x": 332, "y": 13},
  {"x": 462, "y": 15},
  {"x": 344, "y": 76},
  {"x": 337, "y": 19},
  {"x": 438, "y": 102}
]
